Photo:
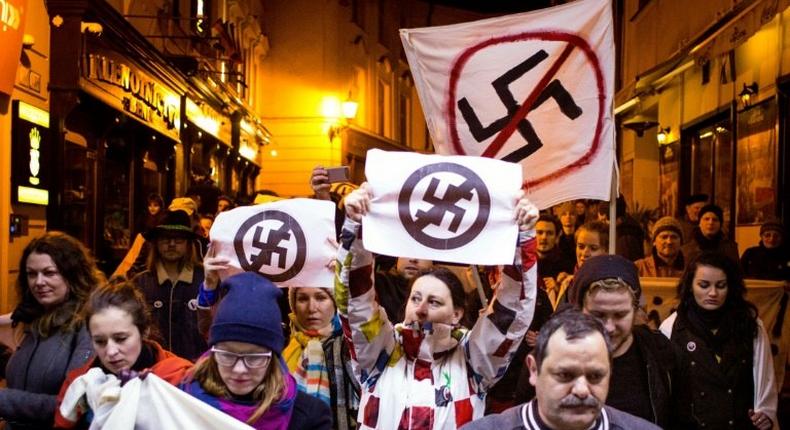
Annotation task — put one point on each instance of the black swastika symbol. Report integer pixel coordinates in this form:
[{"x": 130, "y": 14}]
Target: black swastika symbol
[
  {"x": 554, "y": 90},
  {"x": 271, "y": 246},
  {"x": 445, "y": 204},
  {"x": 471, "y": 186},
  {"x": 288, "y": 238}
]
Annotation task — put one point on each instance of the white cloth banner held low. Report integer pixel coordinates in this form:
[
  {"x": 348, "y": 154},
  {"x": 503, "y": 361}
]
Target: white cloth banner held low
[
  {"x": 148, "y": 404},
  {"x": 448, "y": 208},
  {"x": 533, "y": 88},
  {"x": 291, "y": 242}
]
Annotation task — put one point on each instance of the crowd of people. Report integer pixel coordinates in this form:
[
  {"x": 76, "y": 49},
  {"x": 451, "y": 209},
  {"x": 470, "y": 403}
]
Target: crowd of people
[{"x": 557, "y": 340}]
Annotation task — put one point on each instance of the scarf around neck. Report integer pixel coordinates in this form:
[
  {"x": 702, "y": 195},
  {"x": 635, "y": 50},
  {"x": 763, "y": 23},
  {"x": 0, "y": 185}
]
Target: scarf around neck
[
  {"x": 428, "y": 341},
  {"x": 277, "y": 417},
  {"x": 304, "y": 356}
]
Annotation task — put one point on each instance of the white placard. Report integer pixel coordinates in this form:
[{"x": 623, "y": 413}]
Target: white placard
[
  {"x": 533, "y": 88},
  {"x": 447, "y": 208},
  {"x": 291, "y": 242}
]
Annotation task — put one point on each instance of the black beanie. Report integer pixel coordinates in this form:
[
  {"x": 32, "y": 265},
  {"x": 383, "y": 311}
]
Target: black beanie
[
  {"x": 249, "y": 312},
  {"x": 605, "y": 267},
  {"x": 712, "y": 208}
]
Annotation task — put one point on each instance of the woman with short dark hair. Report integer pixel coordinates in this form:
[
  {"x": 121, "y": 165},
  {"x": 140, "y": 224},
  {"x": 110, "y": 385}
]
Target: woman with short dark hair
[{"x": 428, "y": 371}]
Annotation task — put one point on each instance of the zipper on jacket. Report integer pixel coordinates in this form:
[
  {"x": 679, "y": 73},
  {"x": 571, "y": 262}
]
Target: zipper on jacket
[
  {"x": 650, "y": 393},
  {"x": 170, "y": 318}
]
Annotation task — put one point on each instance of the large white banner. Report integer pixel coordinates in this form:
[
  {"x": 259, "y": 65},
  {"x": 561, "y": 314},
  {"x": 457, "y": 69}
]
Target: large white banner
[
  {"x": 291, "y": 242},
  {"x": 533, "y": 88},
  {"x": 448, "y": 208}
]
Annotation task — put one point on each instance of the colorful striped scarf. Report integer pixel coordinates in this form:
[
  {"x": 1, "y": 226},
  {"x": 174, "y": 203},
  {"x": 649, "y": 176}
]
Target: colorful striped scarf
[
  {"x": 304, "y": 356},
  {"x": 276, "y": 417}
]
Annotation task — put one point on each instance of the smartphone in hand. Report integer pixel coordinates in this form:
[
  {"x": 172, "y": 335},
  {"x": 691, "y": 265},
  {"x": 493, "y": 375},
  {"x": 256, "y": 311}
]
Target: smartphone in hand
[{"x": 337, "y": 174}]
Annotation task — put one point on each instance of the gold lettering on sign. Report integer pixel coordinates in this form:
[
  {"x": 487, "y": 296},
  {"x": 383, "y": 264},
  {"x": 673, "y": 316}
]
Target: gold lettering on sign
[{"x": 149, "y": 98}]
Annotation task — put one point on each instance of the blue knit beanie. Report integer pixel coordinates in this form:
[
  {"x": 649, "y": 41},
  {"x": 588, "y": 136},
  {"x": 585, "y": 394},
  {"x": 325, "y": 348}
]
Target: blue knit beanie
[{"x": 249, "y": 313}]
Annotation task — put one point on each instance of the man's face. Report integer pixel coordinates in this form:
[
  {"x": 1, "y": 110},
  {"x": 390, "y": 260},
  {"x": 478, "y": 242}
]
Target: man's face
[
  {"x": 546, "y": 234},
  {"x": 667, "y": 244},
  {"x": 692, "y": 211},
  {"x": 410, "y": 268},
  {"x": 615, "y": 309},
  {"x": 771, "y": 239},
  {"x": 172, "y": 248},
  {"x": 573, "y": 381},
  {"x": 709, "y": 224}
]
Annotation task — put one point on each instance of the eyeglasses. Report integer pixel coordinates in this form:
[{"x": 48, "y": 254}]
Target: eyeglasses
[
  {"x": 251, "y": 361},
  {"x": 176, "y": 240}
]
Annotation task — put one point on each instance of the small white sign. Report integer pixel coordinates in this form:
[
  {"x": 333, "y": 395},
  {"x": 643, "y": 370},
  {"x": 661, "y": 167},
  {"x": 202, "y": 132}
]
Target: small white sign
[
  {"x": 447, "y": 208},
  {"x": 291, "y": 242}
]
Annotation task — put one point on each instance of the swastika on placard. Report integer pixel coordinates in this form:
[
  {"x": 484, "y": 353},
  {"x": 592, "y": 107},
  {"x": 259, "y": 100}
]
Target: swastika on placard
[
  {"x": 284, "y": 238},
  {"x": 472, "y": 186},
  {"x": 442, "y": 205},
  {"x": 271, "y": 246}
]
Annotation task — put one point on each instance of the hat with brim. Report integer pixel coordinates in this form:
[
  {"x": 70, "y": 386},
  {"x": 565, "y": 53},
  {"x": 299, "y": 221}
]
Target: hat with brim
[
  {"x": 695, "y": 198},
  {"x": 175, "y": 223}
]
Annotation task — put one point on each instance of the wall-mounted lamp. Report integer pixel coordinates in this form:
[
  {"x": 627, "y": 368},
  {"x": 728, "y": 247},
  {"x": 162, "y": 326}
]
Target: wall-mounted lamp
[
  {"x": 663, "y": 135},
  {"x": 746, "y": 94},
  {"x": 348, "y": 111},
  {"x": 639, "y": 123}
]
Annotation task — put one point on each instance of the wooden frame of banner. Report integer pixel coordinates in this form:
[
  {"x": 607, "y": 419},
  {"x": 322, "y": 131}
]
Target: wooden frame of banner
[{"x": 613, "y": 211}]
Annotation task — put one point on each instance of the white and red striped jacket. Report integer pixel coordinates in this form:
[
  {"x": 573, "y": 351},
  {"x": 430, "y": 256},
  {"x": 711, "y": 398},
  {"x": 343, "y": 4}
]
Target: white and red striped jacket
[{"x": 421, "y": 378}]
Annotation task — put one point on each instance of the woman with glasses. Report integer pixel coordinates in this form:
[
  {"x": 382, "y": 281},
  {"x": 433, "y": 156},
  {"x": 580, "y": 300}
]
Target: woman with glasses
[
  {"x": 118, "y": 321},
  {"x": 56, "y": 276},
  {"x": 244, "y": 374}
]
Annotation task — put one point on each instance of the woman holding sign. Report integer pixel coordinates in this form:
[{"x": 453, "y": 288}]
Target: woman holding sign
[{"x": 428, "y": 372}]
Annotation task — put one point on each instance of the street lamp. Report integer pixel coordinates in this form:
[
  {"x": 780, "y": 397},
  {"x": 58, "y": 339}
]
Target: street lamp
[
  {"x": 663, "y": 135},
  {"x": 747, "y": 93},
  {"x": 348, "y": 111}
]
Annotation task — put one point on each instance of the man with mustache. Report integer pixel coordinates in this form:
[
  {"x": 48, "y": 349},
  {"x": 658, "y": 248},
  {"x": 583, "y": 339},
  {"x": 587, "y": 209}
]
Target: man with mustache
[{"x": 570, "y": 369}]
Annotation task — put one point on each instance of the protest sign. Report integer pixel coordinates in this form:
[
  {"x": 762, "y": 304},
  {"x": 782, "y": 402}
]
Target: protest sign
[
  {"x": 291, "y": 242},
  {"x": 448, "y": 208}
]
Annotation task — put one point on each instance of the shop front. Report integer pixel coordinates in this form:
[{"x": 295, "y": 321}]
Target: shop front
[{"x": 116, "y": 131}]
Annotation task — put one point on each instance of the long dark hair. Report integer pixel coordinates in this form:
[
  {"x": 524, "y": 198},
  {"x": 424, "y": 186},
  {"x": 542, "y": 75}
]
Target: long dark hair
[
  {"x": 77, "y": 268},
  {"x": 737, "y": 311}
]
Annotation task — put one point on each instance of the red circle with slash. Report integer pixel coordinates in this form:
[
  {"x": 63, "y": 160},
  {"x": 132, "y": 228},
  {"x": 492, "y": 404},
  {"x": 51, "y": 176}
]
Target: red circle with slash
[{"x": 573, "y": 41}]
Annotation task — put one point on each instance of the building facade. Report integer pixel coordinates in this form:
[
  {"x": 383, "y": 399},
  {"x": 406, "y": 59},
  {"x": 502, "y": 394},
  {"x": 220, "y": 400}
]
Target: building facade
[
  {"x": 325, "y": 53},
  {"x": 702, "y": 106},
  {"x": 142, "y": 93}
]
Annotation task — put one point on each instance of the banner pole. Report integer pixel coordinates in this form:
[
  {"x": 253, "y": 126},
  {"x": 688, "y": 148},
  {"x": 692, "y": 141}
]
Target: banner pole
[
  {"x": 479, "y": 285},
  {"x": 613, "y": 213}
]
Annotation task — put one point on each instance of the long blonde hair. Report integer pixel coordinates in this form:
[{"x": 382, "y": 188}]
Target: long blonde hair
[{"x": 269, "y": 391}]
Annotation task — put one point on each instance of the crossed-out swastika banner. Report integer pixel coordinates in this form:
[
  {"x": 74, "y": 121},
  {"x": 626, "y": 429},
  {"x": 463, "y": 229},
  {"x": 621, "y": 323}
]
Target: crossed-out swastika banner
[
  {"x": 533, "y": 88},
  {"x": 447, "y": 208},
  {"x": 291, "y": 242}
]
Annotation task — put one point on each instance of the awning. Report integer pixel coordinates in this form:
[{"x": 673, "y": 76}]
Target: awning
[{"x": 748, "y": 18}]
